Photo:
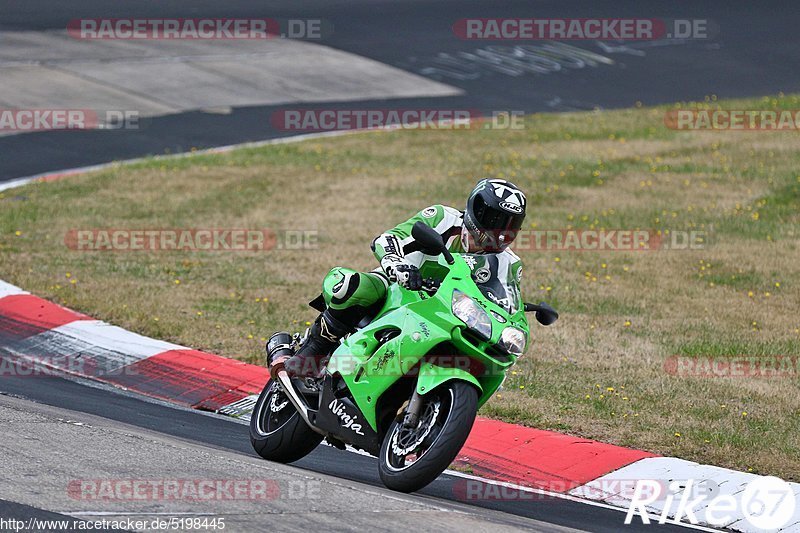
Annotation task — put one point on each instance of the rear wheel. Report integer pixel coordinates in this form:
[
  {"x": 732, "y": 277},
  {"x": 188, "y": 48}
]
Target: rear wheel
[
  {"x": 277, "y": 432},
  {"x": 410, "y": 458}
]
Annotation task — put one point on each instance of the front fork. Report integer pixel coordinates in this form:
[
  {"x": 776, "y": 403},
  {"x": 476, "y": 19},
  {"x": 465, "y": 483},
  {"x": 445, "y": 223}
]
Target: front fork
[{"x": 412, "y": 411}]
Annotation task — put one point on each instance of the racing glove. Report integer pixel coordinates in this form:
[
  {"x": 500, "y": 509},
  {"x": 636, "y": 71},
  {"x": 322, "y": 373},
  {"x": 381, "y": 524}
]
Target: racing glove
[{"x": 408, "y": 276}]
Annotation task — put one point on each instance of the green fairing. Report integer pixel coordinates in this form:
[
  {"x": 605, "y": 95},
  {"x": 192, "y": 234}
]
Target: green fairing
[{"x": 424, "y": 322}]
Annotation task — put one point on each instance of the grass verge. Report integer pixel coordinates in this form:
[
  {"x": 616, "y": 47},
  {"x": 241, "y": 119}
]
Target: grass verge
[{"x": 599, "y": 373}]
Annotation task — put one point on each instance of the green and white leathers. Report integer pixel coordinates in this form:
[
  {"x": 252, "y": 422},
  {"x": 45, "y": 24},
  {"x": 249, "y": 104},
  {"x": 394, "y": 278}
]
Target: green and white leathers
[{"x": 353, "y": 294}]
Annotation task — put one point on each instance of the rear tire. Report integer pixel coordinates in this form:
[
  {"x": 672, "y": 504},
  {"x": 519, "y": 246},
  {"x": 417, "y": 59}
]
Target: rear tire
[
  {"x": 277, "y": 432},
  {"x": 446, "y": 418}
]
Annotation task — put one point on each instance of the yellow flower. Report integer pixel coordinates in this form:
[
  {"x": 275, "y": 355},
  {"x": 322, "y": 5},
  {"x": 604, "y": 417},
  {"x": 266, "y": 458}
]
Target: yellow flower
[
  {"x": 17, "y": 233},
  {"x": 627, "y": 323},
  {"x": 677, "y": 434},
  {"x": 68, "y": 275},
  {"x": 177, "y": 282},
  {"x": 744, "y": 413}
]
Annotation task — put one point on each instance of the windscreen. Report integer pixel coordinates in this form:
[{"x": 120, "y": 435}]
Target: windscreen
[{"x": 493, "y": 275}]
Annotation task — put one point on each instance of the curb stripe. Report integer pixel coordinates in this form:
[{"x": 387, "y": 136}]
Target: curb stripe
[
  {"x": 193, "y": 378},
  {"x": 7, "y": 289},
  {"x": 541, "y": 459},
  {"x": 87, "y": 348},
  {"x": 34, "y": 314}
]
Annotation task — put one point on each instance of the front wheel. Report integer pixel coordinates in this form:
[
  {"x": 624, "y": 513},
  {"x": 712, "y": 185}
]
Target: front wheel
[
  {"x": 277, "y": 432},
  {"x": 410, "y": 458}
]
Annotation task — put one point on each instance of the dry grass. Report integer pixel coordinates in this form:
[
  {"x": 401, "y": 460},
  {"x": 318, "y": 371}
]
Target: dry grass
[{"x": 598, "y": 373}]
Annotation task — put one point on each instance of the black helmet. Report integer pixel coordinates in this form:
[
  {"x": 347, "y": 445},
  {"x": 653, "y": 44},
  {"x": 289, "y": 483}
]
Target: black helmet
[{"x": 494, "y": 215}]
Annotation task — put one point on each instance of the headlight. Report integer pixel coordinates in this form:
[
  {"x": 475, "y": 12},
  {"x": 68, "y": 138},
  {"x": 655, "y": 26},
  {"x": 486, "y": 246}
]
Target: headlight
[
  {"x": 472, "y": 314},
  {"x": 513, "y": 340}
]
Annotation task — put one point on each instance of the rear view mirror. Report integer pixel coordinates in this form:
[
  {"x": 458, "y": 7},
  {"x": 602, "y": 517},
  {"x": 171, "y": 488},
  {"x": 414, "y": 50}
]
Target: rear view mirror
[
  {"x": 430, "y": 242},
  {"x": 545, "y": 315}
]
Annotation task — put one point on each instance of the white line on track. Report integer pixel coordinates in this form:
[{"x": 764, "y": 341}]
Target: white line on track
[{"x": 19, "y": 182}]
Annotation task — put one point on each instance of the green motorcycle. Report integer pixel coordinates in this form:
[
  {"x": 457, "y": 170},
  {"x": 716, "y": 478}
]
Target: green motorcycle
[{"x": 407, "y": 385}]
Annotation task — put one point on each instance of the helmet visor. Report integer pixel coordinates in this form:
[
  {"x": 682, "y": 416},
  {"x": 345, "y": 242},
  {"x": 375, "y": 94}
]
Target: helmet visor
[
  {"x": 496, "y": 219},
  {"x": 499, "y": 226}
]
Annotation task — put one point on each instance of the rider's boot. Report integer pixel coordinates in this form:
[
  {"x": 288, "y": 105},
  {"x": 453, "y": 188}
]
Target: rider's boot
[{"x": 323, "y": 336}]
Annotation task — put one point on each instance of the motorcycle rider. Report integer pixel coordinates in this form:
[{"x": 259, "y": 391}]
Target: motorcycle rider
[{"x": 494, "y": 214}]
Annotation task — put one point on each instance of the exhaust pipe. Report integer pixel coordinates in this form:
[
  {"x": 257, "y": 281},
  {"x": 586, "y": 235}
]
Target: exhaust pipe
[{"x": 297, "y": 401}]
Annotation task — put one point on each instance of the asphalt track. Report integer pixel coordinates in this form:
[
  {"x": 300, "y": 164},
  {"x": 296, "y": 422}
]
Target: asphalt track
[
  {"x": 98, "y": 406},
  {"x": 756, "y": 52}
]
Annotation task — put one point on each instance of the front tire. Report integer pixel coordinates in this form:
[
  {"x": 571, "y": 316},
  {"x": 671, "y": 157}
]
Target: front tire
[
  {"x": 410, "y": 458},
  {"x": 277, "y": 432}
]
